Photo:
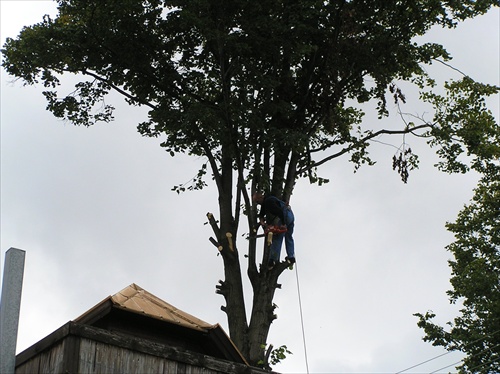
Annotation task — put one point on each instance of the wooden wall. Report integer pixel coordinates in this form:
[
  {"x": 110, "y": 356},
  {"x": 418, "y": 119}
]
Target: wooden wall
[
  {"x": 96, "y": 357},
  {"x": 85, "y": 349},
  {"x": 48, "y": 361}
]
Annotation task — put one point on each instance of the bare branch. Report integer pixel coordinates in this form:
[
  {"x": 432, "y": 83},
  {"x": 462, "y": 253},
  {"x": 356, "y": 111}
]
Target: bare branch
[
  {"x": 362, "y": 140},
  {"x": 451, "y": 67}
]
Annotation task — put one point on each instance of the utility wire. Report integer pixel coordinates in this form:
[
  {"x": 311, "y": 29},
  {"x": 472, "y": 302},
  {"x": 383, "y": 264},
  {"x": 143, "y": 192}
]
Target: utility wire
[
  {"x": 424, "y": 362},
  {"x": 486, "y": 363},
  {"x": 444, "y": 354},
  {"x": 476, "y": 354},
  {"x": 301, "y": 318},
  {"x": 447, "y": 366}
]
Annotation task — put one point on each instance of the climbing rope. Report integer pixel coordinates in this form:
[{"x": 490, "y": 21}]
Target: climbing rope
[{"x": 301, "y": 318}]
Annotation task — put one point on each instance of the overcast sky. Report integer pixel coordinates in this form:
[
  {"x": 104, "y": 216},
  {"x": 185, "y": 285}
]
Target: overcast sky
[{"x": 94, "y": 211}]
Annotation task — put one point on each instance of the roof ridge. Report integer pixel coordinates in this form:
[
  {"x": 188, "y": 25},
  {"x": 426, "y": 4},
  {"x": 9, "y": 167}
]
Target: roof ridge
[
  {"x": 171, "y": 313},
  {"x": 173, "y": 309}
]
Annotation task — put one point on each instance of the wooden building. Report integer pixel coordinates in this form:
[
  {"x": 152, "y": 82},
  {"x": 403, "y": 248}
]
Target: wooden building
[{"x": 134, "y": 331}]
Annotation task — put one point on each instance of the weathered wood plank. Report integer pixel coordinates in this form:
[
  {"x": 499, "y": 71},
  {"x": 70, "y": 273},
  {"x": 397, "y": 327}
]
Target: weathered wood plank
[
  {"x": 46, "y": 343},
  {"x": 161, "y": 350},
  {"x": 101, "y": 351},
  {"x": 29, "y": 367},
  {"x": 104, "y": 358},
  {"x": 71, "y": 353},
  {"x": 86, "y": 356}
]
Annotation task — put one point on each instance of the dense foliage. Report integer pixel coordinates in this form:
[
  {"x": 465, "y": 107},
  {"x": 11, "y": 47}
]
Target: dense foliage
[
  {"x": 475, "y": 281},
  {"x": 264, "y": 91}
]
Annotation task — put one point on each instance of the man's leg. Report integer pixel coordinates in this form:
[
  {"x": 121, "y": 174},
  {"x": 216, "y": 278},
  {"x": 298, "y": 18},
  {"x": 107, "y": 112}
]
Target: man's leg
[
  {"x": 276, "y": 247},
  {"x": 289, "y": 243}
]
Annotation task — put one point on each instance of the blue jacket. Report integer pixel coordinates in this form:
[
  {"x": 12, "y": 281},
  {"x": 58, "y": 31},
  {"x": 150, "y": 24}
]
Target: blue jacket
[{"x": 272, "y": 207}]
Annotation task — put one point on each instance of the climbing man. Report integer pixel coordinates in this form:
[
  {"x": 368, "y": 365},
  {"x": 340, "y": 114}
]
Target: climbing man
[{"x": 275, "y": 212}]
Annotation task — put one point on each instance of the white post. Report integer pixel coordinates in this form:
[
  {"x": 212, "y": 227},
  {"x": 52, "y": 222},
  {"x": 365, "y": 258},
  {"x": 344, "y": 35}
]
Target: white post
[{"x": 10, "y": 306}]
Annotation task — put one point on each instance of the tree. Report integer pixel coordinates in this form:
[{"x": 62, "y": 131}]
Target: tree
[
  {"x": 475, "y": 281},
  {"x": 265, "y": 92}
]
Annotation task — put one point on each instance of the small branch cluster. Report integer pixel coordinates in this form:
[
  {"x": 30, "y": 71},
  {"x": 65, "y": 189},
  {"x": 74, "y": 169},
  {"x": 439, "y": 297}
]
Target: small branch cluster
[{"x": 404, "y": 161}]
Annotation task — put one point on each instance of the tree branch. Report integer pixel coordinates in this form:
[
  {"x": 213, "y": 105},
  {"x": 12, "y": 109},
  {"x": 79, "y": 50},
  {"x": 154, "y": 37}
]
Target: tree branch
[
  {"x": 362, "y": 140},
  {"x": 450, "y": 66},
  {"x": 291, "y": 176},
  {"x": 215, "y": 227},
  {"x": 211, "y": 159},
  {"x": 119, "y": 90}
]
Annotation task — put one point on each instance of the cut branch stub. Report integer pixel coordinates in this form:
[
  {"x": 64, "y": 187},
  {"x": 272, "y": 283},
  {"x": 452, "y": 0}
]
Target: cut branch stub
[
  {"x": 221, "y": 288},
  {"x": 214, "y": 225},
  {"x": 229, "y": 237},
  {"x": 215, "y": 243},
  {"x": 269, "y": 238}
]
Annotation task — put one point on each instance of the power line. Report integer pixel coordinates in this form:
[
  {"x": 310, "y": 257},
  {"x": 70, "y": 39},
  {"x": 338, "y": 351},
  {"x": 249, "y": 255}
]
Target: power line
[
  {"x": 486, "y": 363},
  {"x": 473, "y": 355},
  {"x": 455, "y": 363},
  {"x": 444, "y": 354},
  {"x": 301, "y": 318},
  {"x": 424, "y": 362},
  {"x": 484, "y": 350}
]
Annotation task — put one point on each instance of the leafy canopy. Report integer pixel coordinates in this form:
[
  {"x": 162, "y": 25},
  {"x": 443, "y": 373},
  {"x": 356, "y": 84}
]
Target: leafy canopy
[
  {"x": 265, "y": 91},
  {"x": 246, "y": 76},
  {"x": 475, "y": 281}
]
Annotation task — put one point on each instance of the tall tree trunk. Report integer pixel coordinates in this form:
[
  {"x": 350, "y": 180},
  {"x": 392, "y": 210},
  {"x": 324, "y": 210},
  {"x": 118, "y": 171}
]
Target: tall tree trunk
[
  {"x": 262, "y": 314},
  {"x": 231, "y": 288},
  {"x": 262, "y": 311},
  {"x": 249, "y": 337}
]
